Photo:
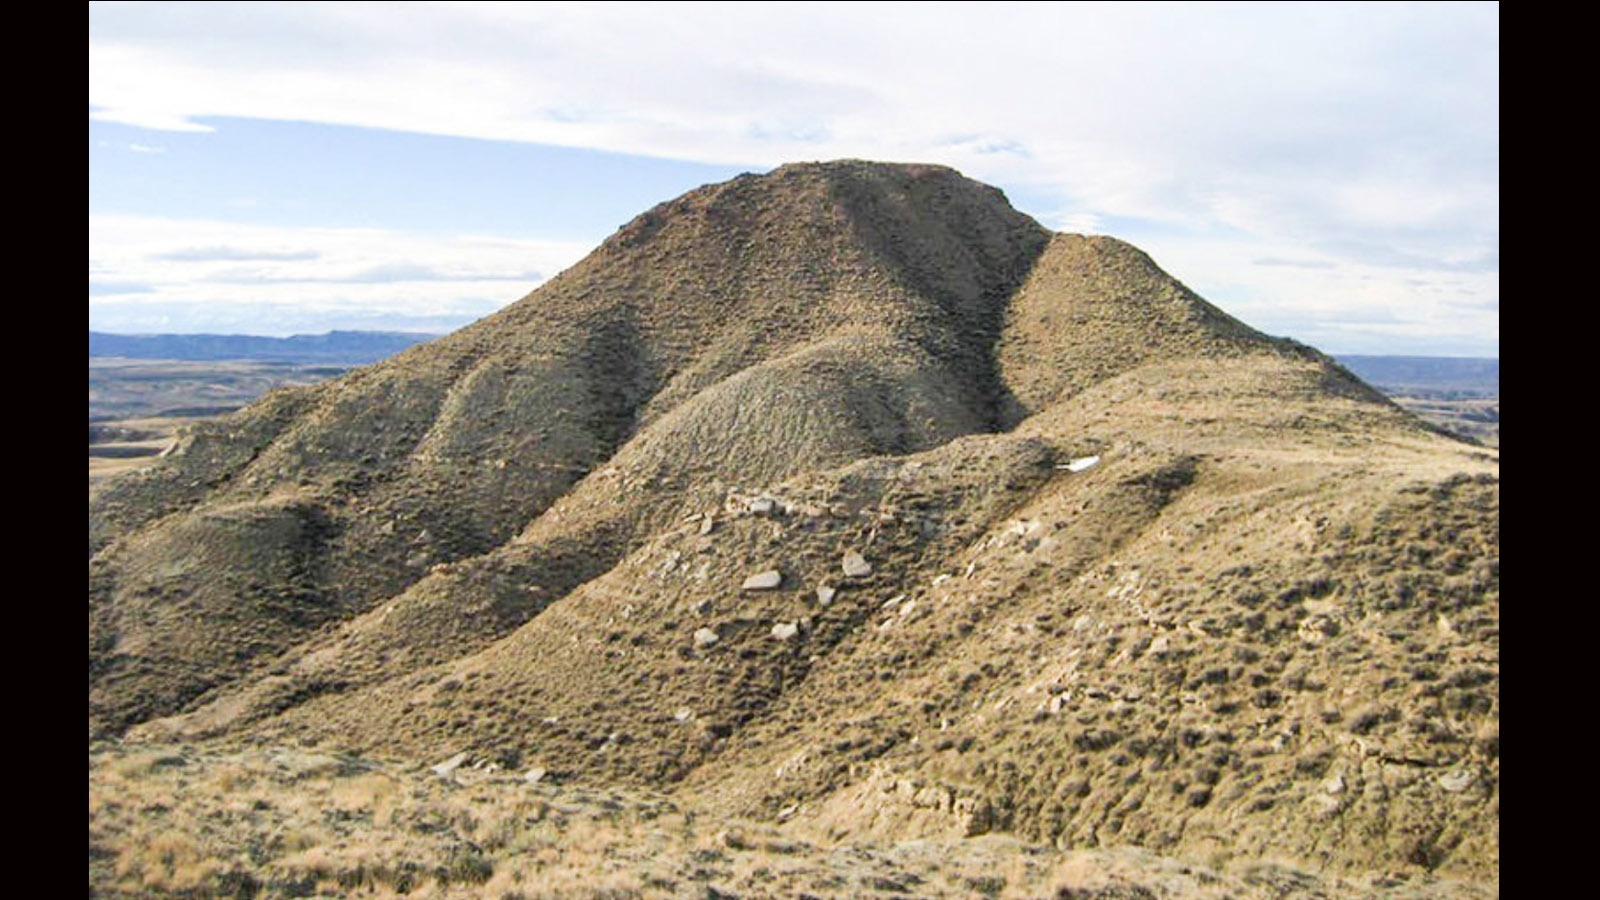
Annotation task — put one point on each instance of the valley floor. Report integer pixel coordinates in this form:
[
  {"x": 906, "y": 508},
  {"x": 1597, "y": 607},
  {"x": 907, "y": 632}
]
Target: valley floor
[{"x": 1476, "y": 419}]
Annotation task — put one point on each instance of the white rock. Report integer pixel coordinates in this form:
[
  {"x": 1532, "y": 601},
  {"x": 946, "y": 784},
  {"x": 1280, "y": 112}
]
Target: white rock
[
  {"x": 763, "y": 581},
  {"x": 534, "y": 775},
  {"x": 825, "y": 595},
  {"x": 1456, "y": 782},
  {"x": 707, "y": 524},
  {"x": 1078, "y": 465},
  {"x": 448, "y": 768},
  {"x": 705, "y": 637},
  {"x": 785, "y": 630},
  {"x": 760, "y": 506},
  {"x": 856, "y": 565}
]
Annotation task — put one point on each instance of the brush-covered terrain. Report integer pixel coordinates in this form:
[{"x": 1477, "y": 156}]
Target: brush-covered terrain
[{"x": 848, "y": 505}]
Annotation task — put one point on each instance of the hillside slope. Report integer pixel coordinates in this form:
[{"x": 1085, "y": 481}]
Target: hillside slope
[{"x": 1059, "y": 549}]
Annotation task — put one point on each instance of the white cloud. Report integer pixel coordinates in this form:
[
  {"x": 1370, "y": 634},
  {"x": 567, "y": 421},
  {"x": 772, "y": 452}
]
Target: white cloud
[
  {"x": 188, "y": 272},
  {"x": 234, "y": 254},
  {"x": 1306, "y": 127}
]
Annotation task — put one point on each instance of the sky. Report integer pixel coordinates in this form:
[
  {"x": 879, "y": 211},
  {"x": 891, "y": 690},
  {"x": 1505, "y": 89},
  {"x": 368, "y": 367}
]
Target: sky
[{"x": 1324, "y": 171}]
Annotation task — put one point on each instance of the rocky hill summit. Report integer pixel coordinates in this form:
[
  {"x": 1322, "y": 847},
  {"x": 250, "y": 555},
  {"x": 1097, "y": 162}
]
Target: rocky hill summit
[{"x": 847, "y": 497}]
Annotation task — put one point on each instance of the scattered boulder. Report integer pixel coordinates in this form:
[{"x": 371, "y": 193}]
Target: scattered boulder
[
  {"x": 763, "y": 581},
  {"x": 856, "y": 565},
  {"x": 705, "y": 637},
  {"x": 761, "y": 506},
  {"x": 707, "y": 524},
  {"x": 825, "y": 595},
  {"x": 783, "y": 631},
  {"x": 534, "y": 775}
]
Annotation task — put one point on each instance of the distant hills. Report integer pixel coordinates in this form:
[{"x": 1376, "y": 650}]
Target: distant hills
[
  {"x": 353, "y": 347},
  {"x": 1462, "y": 376},
  {"x": 1458, "y": 375}
]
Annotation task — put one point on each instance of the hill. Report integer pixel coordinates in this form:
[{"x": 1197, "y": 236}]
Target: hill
[
  {"x": 345, "y": 347},
  {"x": 850, "y": 498}
]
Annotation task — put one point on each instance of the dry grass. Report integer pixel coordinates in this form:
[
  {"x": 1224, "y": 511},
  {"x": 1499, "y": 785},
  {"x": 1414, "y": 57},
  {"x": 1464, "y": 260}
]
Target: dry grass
[{"x": 306, "y": 828}]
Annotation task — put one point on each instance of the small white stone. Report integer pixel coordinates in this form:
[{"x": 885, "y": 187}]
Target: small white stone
[
  {"x": 763, "y": 581},
  {"x": 856, "y": 565},
  {"x": 1078, "y": 465},
  {"x": 449, "y": 766}
]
